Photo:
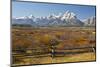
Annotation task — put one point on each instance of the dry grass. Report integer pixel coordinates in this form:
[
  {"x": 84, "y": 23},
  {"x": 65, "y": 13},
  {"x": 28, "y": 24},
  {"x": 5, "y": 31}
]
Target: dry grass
[
  {"x": 63, "y": 59},
  {"x": 75, "y": 58},
  {"x": 66, "y": 37}
]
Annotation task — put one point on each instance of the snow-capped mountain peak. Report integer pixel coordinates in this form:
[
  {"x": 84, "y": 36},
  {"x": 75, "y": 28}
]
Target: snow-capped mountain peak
[
  {"x": 31, "y": 16},
  {"x": 69, "y": 15},
  {"x": 67, "y": 19}
]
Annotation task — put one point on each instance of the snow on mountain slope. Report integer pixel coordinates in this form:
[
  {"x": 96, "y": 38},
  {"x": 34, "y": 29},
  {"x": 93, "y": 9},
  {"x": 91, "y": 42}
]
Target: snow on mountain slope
[{"x": 66, "y": 19}]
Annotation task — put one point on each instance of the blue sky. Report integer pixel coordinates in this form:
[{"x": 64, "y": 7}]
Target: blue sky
[{"x": 44, "y": 9}]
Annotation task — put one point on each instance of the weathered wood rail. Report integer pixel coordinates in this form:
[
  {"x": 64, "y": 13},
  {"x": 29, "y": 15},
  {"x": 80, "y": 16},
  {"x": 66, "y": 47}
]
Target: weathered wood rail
[{"x": 53, "y": 52}]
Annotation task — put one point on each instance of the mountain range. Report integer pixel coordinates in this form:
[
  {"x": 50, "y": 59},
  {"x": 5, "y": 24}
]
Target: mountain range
[{"x": 66, "y": 19}]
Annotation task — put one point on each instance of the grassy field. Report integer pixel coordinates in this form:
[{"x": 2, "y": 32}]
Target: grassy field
[
  {"x": 42, "y": 40},
  {"x": 64, "y": 59}
]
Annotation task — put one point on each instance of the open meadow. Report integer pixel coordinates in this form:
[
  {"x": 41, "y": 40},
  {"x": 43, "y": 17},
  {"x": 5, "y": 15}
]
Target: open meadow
[{"x": 46, "y": 45}]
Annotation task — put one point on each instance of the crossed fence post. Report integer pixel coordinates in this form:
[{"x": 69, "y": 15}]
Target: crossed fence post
[
  {"x": 52, "y": 51},
  {"x": 53, "y": 43}
]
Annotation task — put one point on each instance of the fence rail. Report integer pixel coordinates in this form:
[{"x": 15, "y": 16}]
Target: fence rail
[
  {"x": 67, "y": 48},
  {"x": 57, "y": 52},
  {"x": 54, "y": 52}
]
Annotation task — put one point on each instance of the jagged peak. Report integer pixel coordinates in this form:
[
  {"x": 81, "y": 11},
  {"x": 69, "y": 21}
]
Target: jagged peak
[
  {"x": 31, "y": 16},
  {"x": 69, "y": 14}
]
